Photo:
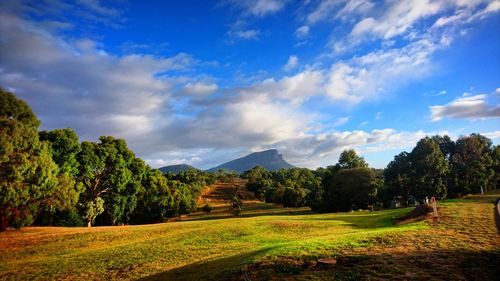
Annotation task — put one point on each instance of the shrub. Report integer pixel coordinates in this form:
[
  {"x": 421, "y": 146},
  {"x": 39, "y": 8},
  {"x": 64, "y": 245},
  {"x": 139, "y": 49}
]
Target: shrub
[{"x": 235, "y": 206}]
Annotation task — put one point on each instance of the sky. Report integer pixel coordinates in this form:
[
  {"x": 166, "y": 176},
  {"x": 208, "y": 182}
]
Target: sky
[{"x": 203, "y": 82}]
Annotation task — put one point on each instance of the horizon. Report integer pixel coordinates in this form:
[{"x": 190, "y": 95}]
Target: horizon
[{"x": 207, "y": 82}]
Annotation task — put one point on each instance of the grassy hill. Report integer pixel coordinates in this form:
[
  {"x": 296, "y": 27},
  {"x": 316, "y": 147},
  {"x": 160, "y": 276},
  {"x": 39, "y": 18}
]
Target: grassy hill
[{"x": 266, "y": 243}]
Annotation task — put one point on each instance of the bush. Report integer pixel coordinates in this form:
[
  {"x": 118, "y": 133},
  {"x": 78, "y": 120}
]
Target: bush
[{"x": 235, "y": 206}]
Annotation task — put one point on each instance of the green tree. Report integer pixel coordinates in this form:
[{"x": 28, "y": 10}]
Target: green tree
[
  {"x": 429, "y": 170},
  {"x": 398, "y": 178},
  {"x": 349, "y": 159},
  {"x": 156, "y": 198},
  {"x": 495, "y": 165},
  {"x": 64, "y": 146},
  {"x": 352, "y": 189},
  {"x": 28, "y": 175},
  {"x": 12, "y": 108},
  {"x": 472, "y": 165},
  {"x": 93, "y": 209},
  {"x": 235, "y": 206},
  {"x": 294, "y": 197},
  {"x": 111, "y": 171}
]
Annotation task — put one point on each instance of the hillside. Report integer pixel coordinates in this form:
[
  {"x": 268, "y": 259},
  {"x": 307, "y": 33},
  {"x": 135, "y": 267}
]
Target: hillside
[
  {"x": 176, "y": 168},
  {"x": 269, "y": 159},
  {"x": 267, "y": 244}
]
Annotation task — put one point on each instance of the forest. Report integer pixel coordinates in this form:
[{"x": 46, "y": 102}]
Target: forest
[{"x": 51, "y": 178}]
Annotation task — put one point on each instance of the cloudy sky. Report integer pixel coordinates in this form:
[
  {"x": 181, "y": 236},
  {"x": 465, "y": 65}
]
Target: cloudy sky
[{"x": 202, "y": 82}]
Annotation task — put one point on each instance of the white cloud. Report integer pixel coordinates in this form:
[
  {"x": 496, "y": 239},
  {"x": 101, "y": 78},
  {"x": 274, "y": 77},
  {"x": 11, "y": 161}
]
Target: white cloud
[
  {"x": 293, "y": 62},
  {"x": 335, "y": 9},
  {"x": 323, "y": 149},
  {"x": 260, "y": 8},
  {"x": 398, "y": 18},
  {"x": 492, "y": 135},
  {"x": 240, "y": 30},
  {"x": 302, "y": 32},
  {"x": 375, "y": 74},
  {"x": 294, "y": 89},
  {"x": 466, "y": 107},
  {"x": 340, "y": 121}
]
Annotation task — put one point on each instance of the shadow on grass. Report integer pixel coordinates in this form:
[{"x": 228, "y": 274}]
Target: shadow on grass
[
  {"x": 217, "y": 269},
  {"x": 420, "y": 265},
  {"x": 285, "y": 212}
]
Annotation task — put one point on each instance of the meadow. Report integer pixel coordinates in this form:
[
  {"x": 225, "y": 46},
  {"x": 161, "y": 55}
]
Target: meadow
[{"x": 266, "y": 243}]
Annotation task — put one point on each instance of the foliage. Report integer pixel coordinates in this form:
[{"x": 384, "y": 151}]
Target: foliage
[
  {"x": 429, "y": 170},
  {"x": 440, "y": 167},
  {"x": 353, "y": 188},
  {"x": 28, "y": 175},
  {"x": 288, "y": 186},
  {"x": 93, "y": 209},
  {"x": 349, "y": 159},
  {"x": 235, "y": 206},
  {"x": 472, "y": 165}
]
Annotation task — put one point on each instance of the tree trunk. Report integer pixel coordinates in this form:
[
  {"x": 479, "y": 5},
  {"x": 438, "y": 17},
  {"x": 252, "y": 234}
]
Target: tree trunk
[{"x": 89, "y": 223}]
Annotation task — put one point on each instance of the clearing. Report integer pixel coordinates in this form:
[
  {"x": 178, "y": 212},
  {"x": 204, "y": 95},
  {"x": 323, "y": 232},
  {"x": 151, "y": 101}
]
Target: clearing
[{"x": 266, "y": 243}]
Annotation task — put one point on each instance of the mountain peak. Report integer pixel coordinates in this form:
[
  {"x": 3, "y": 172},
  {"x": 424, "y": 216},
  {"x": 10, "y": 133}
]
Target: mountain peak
[{"x": 269, "y": 159}]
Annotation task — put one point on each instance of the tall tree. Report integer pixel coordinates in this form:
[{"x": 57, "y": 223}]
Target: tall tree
[
  {"x": 352, "y": 189},
  {"x": 471, "y": 165},
  {"x": 429, "y": 169},
  {"x": 398, "y": 177},
  {"x": 495, "y": 157},
  {"x": 349, "y": 159},
  {"x": 28, "y": 175},
  {"x": 110, "y": 171}
]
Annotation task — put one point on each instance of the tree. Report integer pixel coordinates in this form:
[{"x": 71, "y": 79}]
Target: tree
[
  {"x": 349, "y": 159},
  {"x": 12, "y": 108},
  {"x": 429, "y": 170},
  {"x": 495, "y": 165},
  {"x": 446, "y": 145},
  {"x": 64, "y": 146},
  {"x": 28, "y": 175},
  {"x": 352, "y": 189},
  {"x": 93, "y": 209},
  {"x": 294, "y": 197},
  {"x": 471, "y": 165},
  {"x": 109, "y": 170},
  {"x": 156, "y": 201},
  {"x": 235, "y": 206},
  {"x": 398, "y": 176}
]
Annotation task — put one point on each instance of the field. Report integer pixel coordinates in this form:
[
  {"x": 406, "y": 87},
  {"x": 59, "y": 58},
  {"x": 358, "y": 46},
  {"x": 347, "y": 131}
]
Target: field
[{"x": 266, "y": 243}]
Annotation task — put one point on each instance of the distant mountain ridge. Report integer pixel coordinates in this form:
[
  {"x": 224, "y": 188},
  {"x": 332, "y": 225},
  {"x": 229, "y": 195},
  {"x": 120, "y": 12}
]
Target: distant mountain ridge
[
  {"x": 269, "y": 159},
  {"x": 176, "y": 168}
]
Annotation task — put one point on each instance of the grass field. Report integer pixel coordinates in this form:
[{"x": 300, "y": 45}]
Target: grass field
[{"x": 266, "y": 243}]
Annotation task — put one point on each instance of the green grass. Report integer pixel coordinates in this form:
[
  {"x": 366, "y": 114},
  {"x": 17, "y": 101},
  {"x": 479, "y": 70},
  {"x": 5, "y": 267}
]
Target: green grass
[{"x": 266, "y": 243}]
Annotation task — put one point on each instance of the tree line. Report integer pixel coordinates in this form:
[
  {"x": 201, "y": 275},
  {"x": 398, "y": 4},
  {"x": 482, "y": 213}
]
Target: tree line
[
  {"x": 51, "y": 178},
  {"x": 436, "y": 167}
]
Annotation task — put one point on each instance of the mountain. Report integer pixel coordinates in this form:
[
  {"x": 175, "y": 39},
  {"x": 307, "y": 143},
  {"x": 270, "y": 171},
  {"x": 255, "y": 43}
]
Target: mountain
[
  {"x": 176, "y": 168},
  {"x": 269, "y": 159}
]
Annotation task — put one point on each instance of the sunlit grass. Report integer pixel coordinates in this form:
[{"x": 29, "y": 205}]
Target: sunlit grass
[{"x": 203, "y": 248}]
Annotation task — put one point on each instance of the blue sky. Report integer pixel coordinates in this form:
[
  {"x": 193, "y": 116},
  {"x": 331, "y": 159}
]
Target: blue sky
[{"x": 203, "y": 82}]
